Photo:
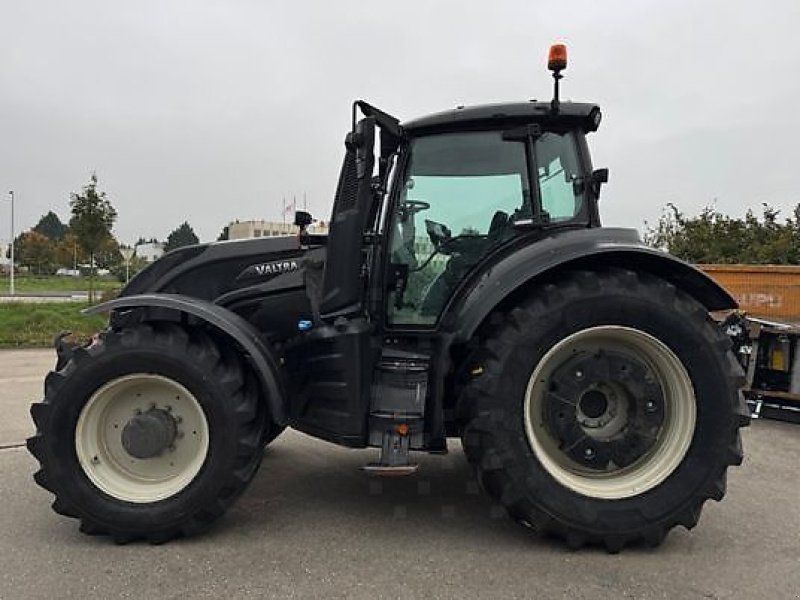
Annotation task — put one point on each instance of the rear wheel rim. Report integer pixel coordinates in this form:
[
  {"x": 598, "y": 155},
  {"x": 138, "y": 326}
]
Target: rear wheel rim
[
  {"x": 103, "y": 457},
  {"x": 601, "y": 424}
]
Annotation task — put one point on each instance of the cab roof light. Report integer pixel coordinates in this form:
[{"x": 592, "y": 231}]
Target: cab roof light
[
  {"x": 557, "y": 58},
  {"x": 556, "y": 62}
]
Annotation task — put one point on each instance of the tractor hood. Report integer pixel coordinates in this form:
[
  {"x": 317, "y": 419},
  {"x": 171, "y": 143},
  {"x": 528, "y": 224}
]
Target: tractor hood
[{"x": 209, "y": 271}]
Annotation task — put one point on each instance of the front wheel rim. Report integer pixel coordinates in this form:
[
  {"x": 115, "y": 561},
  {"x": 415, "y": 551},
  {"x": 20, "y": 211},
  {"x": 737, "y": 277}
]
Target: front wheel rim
[
  {"x": 666, "y": 449},
  {"x": 103, "y": 456}
]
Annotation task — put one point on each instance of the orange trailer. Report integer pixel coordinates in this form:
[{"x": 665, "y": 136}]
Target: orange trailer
[
  {"x": 766, "y": 291},
  {"x": 767, "y": 339}
]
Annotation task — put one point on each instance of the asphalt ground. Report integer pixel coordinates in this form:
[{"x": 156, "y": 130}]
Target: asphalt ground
[{"x": 312, "y": 525}]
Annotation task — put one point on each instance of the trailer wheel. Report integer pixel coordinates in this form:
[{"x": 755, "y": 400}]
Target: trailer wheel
[
  {"x": 150, "y": 432},
  {"x": 605, "y": 409}
]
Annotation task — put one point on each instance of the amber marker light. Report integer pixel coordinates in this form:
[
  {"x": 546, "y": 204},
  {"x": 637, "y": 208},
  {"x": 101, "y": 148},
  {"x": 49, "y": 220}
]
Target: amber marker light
[
  {"x": 557, "y": 58},
  {"x": 402, "y": 429}
]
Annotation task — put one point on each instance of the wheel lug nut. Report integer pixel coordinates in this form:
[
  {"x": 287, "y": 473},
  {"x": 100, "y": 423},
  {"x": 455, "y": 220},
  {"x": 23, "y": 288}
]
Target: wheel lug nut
[
  {"x": 650, "y": 406},
  {"x": 588, "y": 453},
  {"x": 578, "y": 374}
]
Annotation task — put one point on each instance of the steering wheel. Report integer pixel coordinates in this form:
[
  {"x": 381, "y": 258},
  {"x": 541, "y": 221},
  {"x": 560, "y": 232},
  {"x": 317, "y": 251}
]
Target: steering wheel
[{"x": 411, "y": 207}]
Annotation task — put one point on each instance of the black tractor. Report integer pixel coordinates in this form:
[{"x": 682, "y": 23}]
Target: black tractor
[{"x": 465, "y": 289}]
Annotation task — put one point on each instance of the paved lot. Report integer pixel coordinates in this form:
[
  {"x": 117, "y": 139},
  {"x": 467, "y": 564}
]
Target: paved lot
[{"x": 312, "y": 525}]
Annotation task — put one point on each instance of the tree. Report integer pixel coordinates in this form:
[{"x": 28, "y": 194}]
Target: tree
[
  {"x": 69, "y": 253},
  {"x": 51, "y": 227},
  {"x": 225, "y": 234},
  {"x": 93, "y": 217},
  {"x": 712, "y": 237},
  {"x": 36, "y": 252},
  {"x": 141, "y": 241},
  {"x": 108, "y": 255},
  {"x": 182, "y": 236}
]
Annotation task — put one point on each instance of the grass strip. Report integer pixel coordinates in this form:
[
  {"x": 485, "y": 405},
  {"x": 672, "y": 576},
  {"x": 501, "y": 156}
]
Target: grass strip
[{"x": 34, "y": 324}]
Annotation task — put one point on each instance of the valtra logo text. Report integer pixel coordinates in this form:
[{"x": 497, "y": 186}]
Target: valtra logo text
[{"x": 269, "y": 269}]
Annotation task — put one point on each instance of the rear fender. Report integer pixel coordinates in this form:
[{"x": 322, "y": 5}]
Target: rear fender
[
  {"x": 228, "y": 324},
  {"x": 502, "y": 280}
]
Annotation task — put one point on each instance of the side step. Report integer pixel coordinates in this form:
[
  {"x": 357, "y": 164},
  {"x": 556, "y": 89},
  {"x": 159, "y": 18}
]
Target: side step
[
  {"x": 394, "y": 460},
  {"x": 380, "y": 470},
  {"x": 397, "y": 411}
]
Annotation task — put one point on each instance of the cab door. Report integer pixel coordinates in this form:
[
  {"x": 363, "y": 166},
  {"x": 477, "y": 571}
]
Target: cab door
[{"x": 459, "y": 195}]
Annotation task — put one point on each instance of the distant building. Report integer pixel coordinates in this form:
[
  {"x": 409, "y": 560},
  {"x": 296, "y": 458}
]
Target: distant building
[
  {"x": 150, "y": 251},
  {"x": 241, "y": 230}
]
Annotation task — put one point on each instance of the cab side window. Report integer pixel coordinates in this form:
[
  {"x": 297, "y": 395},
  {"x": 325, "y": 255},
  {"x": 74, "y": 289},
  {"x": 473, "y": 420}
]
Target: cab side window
[{"x": 559, "y": 176}]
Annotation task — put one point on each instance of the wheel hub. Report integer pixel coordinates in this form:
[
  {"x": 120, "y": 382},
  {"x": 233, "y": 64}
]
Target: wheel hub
[
  {"x": 593, "y": 404},
  {"x": 604, "y": 408},
  {"x": 148, "y": 434},
  {"x": 142, "y": 437}
]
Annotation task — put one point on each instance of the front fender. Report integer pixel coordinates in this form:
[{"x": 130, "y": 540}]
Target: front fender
[
  {"x": 584, "y": 248},
  {"x": 229, "y": 324}
]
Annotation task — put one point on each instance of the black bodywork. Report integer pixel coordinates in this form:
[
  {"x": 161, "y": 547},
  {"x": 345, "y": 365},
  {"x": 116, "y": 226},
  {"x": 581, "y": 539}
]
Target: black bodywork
[{"x": 310, "y": 311}]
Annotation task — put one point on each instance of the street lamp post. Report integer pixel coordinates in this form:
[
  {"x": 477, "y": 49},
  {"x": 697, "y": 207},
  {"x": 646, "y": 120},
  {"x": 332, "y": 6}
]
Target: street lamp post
[
  {"x": 127, "y": 254},
  {"x": 11, "y": 281}
]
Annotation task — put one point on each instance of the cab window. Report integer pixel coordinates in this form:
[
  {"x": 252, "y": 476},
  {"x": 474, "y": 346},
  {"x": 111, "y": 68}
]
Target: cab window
[{"x": 559, "y": 176}]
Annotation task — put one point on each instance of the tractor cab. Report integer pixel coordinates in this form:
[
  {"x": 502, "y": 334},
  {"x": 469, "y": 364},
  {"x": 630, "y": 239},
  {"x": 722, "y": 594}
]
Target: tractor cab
[{"x": 477, "y": 180}]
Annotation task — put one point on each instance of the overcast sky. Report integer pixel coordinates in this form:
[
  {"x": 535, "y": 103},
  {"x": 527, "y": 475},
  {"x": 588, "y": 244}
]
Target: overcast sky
[{"x": 212, "y": 111}]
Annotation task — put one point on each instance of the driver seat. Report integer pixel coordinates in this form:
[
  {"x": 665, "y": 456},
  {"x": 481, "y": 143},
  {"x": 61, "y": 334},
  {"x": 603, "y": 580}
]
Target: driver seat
[
  {"x": 439, "y": 290},
  {"x": 498, "y": 226}
]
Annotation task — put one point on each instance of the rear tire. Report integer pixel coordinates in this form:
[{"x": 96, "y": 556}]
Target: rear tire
[
  {"x": 578, "y": 450},
  {"x": 215, "y": 418}
]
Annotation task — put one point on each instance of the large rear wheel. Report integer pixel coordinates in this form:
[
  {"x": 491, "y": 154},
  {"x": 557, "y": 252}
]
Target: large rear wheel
[
  {"x": 604, "y": 409},
  {"x": 150, "y": 432}
]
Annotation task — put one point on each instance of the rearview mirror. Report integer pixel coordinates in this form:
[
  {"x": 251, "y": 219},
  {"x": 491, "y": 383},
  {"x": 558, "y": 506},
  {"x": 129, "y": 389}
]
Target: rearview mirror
[
  {"x": 599, "y": 177},
  {"x": 302, "y": 219}
]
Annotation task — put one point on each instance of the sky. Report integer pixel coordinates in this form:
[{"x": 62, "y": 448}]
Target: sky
[{"x": 210, "y": 111}]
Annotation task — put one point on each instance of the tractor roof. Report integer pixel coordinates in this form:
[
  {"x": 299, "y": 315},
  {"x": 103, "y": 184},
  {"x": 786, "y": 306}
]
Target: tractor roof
[{"x": 583, "y": 114}]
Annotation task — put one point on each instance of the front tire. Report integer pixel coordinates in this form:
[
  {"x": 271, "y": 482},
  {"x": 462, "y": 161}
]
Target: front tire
[
  {"x": 150, "y": 432},
  {"x": 605, "y": 409}
]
